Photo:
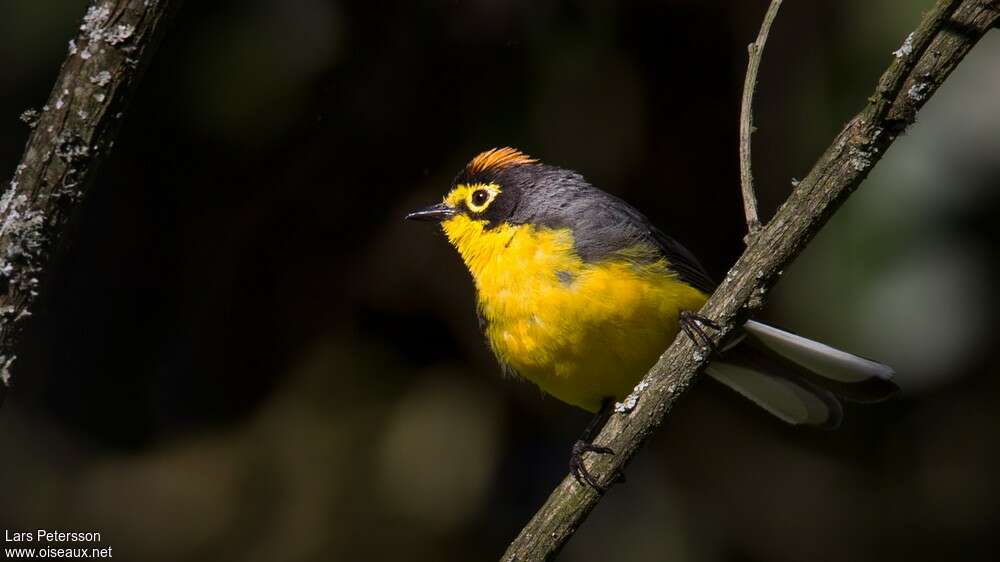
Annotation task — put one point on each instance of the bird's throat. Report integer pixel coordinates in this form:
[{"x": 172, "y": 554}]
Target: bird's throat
[{"x": 504, "y": 256}]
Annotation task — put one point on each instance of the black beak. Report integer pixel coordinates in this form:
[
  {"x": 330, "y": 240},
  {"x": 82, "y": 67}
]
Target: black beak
[{"x": 435, "y": 213}]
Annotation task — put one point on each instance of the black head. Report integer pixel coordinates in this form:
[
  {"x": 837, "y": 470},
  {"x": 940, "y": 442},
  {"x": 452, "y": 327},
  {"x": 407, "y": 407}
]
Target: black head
[
  {"x": 489, "y": 188},
  {"x": 506, "y": 186}
]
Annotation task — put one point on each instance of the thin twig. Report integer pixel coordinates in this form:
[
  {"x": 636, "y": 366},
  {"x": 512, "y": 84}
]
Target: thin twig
[
  {"x": 839, "y": 171},
  {"x": 756, "y": 52},
  {"x": 71, "y": 134}
]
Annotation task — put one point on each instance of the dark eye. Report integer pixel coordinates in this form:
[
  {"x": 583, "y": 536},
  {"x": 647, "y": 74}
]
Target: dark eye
[{"x": 479, "y": 197}]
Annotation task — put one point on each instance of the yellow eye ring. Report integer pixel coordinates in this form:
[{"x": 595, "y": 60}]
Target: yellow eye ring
[{"x": 480, "y": 198}]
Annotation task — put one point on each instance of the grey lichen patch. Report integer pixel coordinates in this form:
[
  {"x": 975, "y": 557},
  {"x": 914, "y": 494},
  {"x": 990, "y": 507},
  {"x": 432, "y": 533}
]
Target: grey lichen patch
[
  {"x": 5, "y": 363},
  {"x": 905, "y": 49},
  {"x": 918, "y": 91},
  {"x": 756, "y": 299},
  {"x": 95, "y": 20},
  {"x": 860, "y": 159},
  {"x": 632, "y": 399},
  {"x": 71, "y": 147},
  {"x": 61, "y": 100},
  {"x": 30, "y": 117},
  {"x": 119, "y": 34},
  {"x": 96, "y": 28},
  {"x": 102, "y": 78},
  {"x": 22, "y": 230}
]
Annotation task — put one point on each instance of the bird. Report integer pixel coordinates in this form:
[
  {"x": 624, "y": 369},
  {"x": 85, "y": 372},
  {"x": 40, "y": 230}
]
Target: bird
[{"x": 579, "y": 293}]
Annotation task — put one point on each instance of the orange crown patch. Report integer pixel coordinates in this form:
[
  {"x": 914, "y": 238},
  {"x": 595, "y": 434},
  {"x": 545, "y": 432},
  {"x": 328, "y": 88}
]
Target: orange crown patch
[{"x": 497, "y": 158}]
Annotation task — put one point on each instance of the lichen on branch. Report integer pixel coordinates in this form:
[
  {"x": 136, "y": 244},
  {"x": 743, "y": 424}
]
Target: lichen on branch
[{"x": 70, "y": 135}]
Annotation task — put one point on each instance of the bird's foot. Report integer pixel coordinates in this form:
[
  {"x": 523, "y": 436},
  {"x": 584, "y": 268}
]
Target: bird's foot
[
  {"x": 694, "y": 326},
  {"x": 579, "y": 470}
]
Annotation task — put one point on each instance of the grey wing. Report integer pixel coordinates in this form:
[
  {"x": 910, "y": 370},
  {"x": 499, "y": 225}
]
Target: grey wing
[
  {"x": 611, "y": 225},
  {"x": 603, "y": 225},
  {"x": 683, "y": 263}
]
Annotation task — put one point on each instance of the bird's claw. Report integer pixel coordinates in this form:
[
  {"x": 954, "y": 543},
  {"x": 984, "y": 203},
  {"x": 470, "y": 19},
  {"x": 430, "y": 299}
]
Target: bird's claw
[
  {"x": 579, "y": 470},
  {"x": 694, "y": 326}
]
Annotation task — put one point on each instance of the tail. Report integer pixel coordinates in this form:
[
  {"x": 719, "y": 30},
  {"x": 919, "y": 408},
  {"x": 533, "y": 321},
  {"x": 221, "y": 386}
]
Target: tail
[{"x": 798, "y": 380}]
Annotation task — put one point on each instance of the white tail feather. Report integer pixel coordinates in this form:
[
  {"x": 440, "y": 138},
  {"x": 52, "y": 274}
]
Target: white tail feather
[
  {"x": 786, "y": 399},
  {"x": 797, "y": 379},
  {"x": 818, "y": 358}
]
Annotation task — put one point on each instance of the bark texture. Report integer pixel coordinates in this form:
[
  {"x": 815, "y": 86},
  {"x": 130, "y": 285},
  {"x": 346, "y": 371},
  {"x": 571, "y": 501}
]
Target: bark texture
[{"x": 70, "y": 136}]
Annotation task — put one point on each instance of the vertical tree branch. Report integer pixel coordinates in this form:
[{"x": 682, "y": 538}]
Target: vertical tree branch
[
  {"x": 71, "y": 134},
  {"x": 756, "y": 52},
  {"x": 913, "y": 77}
]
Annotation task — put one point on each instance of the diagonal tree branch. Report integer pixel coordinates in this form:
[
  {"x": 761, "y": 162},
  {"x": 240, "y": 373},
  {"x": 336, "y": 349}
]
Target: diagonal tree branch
[
  {"x": 72, "y": 133},
  {"x": 928, "y": 56}
]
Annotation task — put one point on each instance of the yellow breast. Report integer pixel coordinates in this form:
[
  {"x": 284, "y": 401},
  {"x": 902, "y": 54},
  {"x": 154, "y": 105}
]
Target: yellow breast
[{"x": 581, "y": 331}]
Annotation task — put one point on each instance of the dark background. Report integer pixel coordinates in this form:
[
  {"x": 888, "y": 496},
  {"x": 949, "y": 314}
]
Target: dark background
[{"x": 243, "y": 352}]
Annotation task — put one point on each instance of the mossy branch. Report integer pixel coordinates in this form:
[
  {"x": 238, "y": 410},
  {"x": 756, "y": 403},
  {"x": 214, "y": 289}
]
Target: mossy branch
[
  {"x": 70, "y": 136},
  {"x": 927, "y": 57}
]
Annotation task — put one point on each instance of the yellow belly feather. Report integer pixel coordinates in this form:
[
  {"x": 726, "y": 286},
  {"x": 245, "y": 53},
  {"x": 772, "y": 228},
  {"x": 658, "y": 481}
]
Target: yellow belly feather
[{"x": 581, "y": 331}]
